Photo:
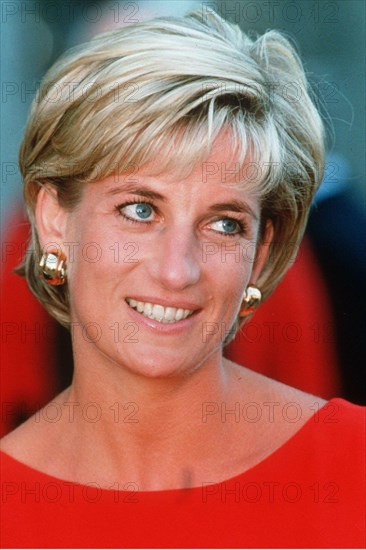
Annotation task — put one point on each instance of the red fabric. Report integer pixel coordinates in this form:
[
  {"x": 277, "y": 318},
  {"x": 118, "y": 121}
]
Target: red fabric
[
  {"x": 28, "y": 377},
  {"x": 310, "y": 493},
  {"x": 291, "y": 336}
]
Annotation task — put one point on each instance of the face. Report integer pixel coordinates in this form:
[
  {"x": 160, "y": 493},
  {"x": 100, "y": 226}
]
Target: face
[{"x": 158, "y": 266}]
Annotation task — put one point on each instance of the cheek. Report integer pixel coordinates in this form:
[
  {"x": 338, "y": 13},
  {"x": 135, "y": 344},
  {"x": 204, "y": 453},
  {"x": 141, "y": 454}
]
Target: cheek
[
  {"x": 233, "y": 263},
  {"x": 90, "y": 256},
  {"x": 87, "y": 231},
  {"x": 230, "y": 274},
  {"x": 94, "y": 284}
]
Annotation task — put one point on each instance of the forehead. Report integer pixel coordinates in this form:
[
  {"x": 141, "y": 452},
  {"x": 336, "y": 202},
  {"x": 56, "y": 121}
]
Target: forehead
[
  {"x": 220, "y": 175},
  {"x": 221, "y": 165}
]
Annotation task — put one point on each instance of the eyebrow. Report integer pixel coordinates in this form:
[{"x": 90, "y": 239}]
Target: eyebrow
[
  {"x": 232, "y": 206},
  {"x": 141, "y": 191}
]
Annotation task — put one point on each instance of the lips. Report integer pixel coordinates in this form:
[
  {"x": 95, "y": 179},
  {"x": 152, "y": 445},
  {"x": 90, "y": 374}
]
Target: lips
[{"x": 159, "y": 312}]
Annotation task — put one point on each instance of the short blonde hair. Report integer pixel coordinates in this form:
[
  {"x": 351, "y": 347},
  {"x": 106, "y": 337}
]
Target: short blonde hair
[{"x": 121, "y": 99}]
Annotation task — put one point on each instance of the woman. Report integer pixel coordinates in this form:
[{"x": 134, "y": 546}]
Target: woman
[{"x": 169, "y": 168}]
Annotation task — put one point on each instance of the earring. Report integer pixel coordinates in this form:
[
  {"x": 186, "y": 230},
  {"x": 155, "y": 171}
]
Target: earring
[
  {"x": 251, "y": 300},
  {"x": 53, "y": 268}
]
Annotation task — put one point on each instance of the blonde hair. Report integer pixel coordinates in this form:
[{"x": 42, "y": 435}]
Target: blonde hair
[{"x": 123, "y": 98}]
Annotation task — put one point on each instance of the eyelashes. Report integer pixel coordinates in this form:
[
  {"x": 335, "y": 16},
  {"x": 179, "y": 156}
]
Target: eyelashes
[
  {"x": 138, "y": 212},
  {"x": 240, "y": 227},
  {"x": 143, "y": 210}
]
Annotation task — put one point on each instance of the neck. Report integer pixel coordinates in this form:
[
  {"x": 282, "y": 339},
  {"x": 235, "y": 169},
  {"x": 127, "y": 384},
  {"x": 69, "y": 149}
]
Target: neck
[{"x": 145, "y": 428}]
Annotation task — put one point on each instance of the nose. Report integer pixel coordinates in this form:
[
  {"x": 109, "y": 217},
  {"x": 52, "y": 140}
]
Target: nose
[{"x": 175, "y": 260}]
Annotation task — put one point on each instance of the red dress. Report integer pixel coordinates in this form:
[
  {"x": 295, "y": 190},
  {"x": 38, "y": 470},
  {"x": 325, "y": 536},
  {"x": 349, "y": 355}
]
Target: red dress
[{"x": 308, "y": 493}]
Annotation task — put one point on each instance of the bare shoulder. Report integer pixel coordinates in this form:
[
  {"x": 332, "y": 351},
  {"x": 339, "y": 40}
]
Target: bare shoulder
[
  {"x": 29, "y": 441},
  {"x": 23, "y": 437},
  {"x": 272, "y": 400}
]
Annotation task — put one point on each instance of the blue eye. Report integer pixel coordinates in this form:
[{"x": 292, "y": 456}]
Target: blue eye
[
  {"x": 138, "y": 211},
  {"x": 227, "y": 226}
]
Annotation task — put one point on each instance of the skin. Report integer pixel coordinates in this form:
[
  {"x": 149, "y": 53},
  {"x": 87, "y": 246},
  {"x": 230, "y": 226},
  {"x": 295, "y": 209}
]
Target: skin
[{"x": 153, "y": 388}]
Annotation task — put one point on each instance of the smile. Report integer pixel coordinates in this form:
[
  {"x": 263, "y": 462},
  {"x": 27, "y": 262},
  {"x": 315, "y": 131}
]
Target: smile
[{"x": 159, "y": 312}]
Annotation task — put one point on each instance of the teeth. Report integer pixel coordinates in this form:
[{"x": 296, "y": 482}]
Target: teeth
[
  {"x": 179, "y": 314},
  {"x": 159, "y": 312},
  {"x": 169, "y": 314},
  {"x": 147, "y": 309}
]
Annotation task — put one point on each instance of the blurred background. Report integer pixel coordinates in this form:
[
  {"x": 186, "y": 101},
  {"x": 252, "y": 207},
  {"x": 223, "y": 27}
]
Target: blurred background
[{"x": 330, "y": 36}]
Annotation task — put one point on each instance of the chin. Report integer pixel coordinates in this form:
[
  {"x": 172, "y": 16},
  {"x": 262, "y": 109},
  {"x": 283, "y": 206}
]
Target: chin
[{"x": 158, "y": 364}]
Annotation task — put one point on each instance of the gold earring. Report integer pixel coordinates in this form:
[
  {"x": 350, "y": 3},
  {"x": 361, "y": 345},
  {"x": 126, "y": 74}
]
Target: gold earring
[
  {"x": 53, "y": 268},
  {"x": 251, "y": 300}
]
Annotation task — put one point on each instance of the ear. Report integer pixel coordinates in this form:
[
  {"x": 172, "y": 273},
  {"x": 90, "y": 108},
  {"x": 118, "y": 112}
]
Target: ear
[
  {"x": 50, "y": 219},
  {"x": 262, "y": 252}
]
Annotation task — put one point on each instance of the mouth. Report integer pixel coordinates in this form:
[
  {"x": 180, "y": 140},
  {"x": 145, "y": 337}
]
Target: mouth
[{"x": 160, "y": 313}]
